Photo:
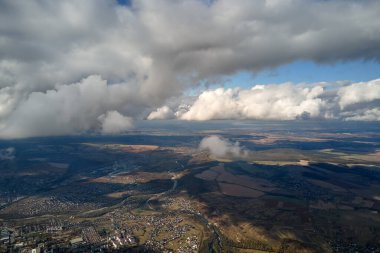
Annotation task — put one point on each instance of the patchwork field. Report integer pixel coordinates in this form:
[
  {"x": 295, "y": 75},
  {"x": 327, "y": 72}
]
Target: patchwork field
[{"x": 279, "y": 192}]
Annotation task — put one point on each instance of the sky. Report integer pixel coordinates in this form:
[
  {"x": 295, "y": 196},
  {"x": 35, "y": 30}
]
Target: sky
[
  {"x": 71, "y": 67},
  {"x": 302, "y": 71}
]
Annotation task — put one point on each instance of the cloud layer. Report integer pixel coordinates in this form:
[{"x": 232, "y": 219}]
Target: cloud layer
[
  {"x": 356, "y": 101},
  {"x": 87, "y": 105},
  {"x": 64, "y": 64}
]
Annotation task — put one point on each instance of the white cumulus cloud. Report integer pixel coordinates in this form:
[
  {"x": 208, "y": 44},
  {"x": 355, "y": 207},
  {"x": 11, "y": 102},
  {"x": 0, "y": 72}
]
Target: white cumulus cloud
[
  {"x": 364, "y": 115},
  {"x": 115, "y": 123},
  {"x": 221, "y": 147},
  {"x": 359, "y": 93},
  {"x": 281, "y": 102},
  {"x": 71, "y": 108},
  {"x": 287, "y": 101},
  {"x": 161, "y": 113}
]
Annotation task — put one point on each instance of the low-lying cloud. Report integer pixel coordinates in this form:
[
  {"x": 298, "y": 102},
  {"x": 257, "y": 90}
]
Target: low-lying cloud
[
  {"x": 115, "y": 123},
  {"x": 7, "y": 153},
  {"x": 359, "y": 93},
  {"x": 161, "y": 113},
  {"x": 222, "y": 148},
  {"x": 355, "y": 101},
  {"x": 72, "y": 108}
]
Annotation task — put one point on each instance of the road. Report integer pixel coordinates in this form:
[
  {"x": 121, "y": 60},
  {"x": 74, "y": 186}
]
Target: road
[
  {"x": 158, "y": 195},
  {"x": 200, "y": 217}
]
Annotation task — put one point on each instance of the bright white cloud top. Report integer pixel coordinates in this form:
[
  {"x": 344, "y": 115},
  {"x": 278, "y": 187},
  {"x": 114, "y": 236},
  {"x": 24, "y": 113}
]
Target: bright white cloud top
[
  {"x": 161, "y": 113},
  {"x": 288, "y": 102},
  {"x": 221, "y": 147},
  {"x": 64, "y": 64}
]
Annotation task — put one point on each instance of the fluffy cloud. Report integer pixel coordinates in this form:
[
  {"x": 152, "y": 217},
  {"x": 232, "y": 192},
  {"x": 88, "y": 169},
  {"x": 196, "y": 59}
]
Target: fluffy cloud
[
  {"x": 67, "y": 109},
  {"x": 154, "y": 50},
  {"x": 161, "y": 113},
  {"x": 364, "y": 115},
  {"x": 359, "y": 93},
  {"x": 283, "y": 102},
  {"x": 114, "y": 123},
  {"x": 221, "y": 147},
  {"x": 351, "y": 101}
]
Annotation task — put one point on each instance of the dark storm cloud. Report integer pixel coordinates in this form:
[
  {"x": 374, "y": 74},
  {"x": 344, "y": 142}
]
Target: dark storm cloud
[{"x": 154, "y": 50}]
